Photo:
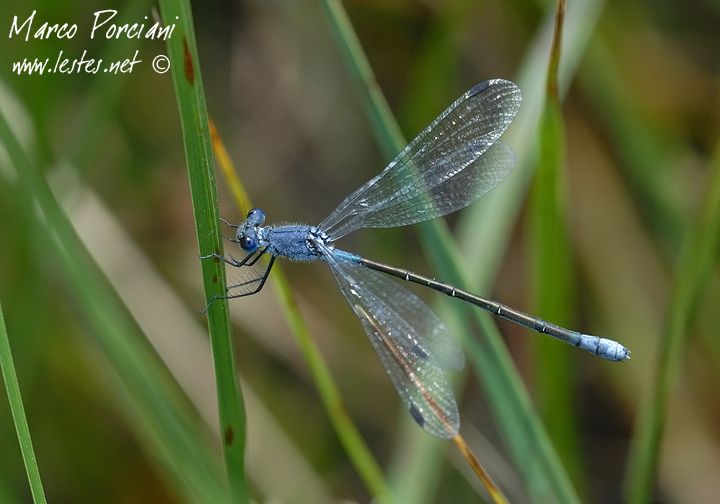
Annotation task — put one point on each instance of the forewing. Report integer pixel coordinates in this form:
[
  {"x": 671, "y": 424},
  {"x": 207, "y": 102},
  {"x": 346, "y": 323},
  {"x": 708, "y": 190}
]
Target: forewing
[
  {"x": 400, "y": 327},
  {"x": 450, "y": 164}
]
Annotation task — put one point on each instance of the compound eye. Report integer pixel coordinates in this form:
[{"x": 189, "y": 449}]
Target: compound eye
[
  {"x": 256, "y": 217},
  {"x": 248, "y": 244}
]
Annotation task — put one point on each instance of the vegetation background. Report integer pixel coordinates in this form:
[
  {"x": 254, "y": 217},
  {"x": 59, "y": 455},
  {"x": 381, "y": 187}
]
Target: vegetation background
[{"x": 116, "y": 418}]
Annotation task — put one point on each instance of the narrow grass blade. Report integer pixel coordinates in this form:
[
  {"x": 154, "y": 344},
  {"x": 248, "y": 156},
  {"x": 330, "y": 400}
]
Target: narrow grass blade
[
  {"x": 642, "y": 151},
  {"x": 646, "y": 157},
  {"x": 153, "y": 401},
  {"x": 387, "y": 130},
  {"x": 472, "y": 460},
  {"x": 187, "y": 78},
  {"x": 18, "y": 412},
  {"x": 553, "y": 282},
  {"x": 699, "y": 253}
]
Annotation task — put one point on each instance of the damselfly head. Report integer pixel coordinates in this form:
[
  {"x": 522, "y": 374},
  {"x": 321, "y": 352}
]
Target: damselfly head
[{"x": 247, "y": 233}]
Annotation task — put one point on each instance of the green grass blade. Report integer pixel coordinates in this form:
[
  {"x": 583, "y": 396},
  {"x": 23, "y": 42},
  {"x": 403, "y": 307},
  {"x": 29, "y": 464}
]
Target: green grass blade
[
  {"x": 386, "y": 128},
  {"x": 643, "y": 152},
  {"x": 149, "y": 395},
  {"x": 648, "y": 158},
  {"x": 186, "y": 75},
  {"x": 552, "y": 271},
  {"x": 553, "y": 289},
  {"x": 18, "y": 412},
  {"x": 694, "y": 269}
]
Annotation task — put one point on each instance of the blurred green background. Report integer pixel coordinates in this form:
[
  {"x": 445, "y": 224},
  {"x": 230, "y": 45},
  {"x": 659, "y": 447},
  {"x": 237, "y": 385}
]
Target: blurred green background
[{"x": 642, "y": 115}]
